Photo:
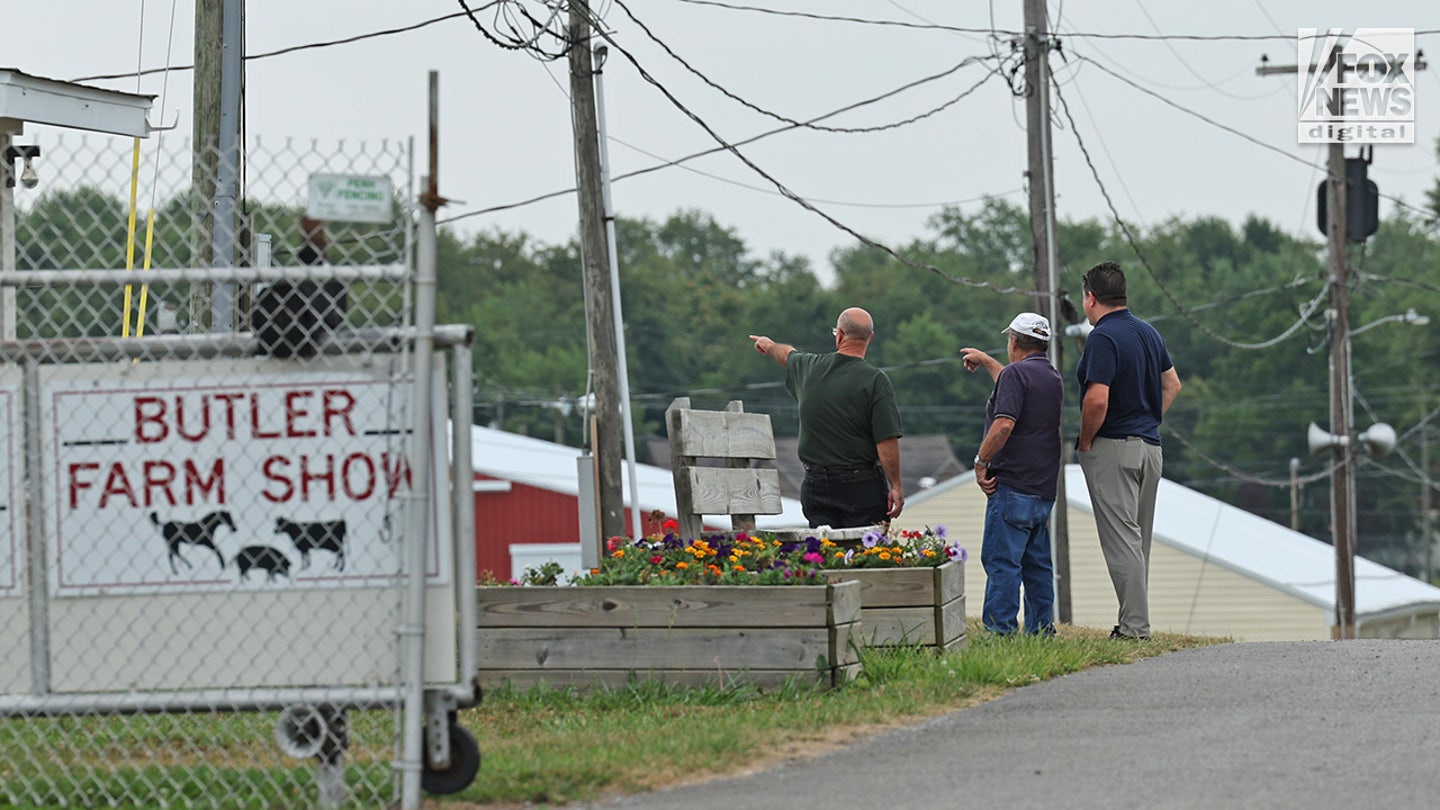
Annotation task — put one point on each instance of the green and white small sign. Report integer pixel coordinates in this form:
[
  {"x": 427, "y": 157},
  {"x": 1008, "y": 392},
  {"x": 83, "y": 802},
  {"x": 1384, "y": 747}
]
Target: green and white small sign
[{"x": 350, "y": 198}]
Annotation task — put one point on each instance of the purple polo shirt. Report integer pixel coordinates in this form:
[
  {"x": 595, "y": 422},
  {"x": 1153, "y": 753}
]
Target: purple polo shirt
[{"x": 1032, "y": 393}]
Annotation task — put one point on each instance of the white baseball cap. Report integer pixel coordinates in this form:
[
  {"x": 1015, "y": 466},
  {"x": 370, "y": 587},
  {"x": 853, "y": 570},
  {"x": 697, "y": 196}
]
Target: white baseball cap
[{"x": 1031, "y": 325}]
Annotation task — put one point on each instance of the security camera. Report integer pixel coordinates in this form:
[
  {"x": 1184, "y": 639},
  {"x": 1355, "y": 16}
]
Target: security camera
[{"x": 28, "y": 177}]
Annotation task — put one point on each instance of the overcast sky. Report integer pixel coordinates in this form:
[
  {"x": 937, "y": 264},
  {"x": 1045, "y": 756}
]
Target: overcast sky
[{"x": 505, "y": 128}]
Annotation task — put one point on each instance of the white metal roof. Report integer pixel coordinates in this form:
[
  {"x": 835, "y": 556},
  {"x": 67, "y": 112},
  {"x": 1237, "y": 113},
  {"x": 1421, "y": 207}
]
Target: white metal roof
[
  {"x": 547, "y": 465},
  {"x": 35, "y": 99},
  {"x": 1254, "y": 547}
]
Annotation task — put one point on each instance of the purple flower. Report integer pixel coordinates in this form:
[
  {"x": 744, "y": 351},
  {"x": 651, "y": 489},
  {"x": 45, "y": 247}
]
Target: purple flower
[
  {"x": 957, "y": 553},
  {"x": 940, "y": 530},
  {"x": 849, "y": 555},
  {"x": 870, "y": 539}
]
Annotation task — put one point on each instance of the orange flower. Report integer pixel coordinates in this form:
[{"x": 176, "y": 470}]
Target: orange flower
[{"x": 682, "y": 565}]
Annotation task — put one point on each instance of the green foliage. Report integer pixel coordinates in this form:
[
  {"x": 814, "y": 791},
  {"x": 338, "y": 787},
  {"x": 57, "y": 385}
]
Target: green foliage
[{"x": 692, "y": 291}]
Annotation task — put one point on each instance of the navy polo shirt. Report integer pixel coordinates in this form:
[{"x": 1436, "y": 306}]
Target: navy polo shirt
[
  {"x": 1128, "y": 355},
  {"x": 1030, "y": 392}
]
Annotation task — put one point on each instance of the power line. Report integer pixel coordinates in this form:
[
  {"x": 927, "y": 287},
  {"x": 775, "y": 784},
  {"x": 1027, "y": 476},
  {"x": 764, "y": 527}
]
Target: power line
[
  {"x": 796, "y": 198},
  {"x": 752, "y": 139},
  {"x": 1305, "y": 311},
  {"x": 777, "y": 116},
  {"x": 993, "y": 30},
  {"x": 1182, "y": 108},
  {"x": 294, "y": 48},
  {"x": 784, "y": 190}
]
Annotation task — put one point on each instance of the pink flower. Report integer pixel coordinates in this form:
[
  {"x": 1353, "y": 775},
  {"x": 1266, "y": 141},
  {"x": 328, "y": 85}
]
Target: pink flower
[{"x": 813, "y": 558}]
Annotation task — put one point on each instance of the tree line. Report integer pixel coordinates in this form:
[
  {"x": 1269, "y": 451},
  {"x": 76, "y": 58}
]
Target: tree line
[{"x": 692, "y": 290}]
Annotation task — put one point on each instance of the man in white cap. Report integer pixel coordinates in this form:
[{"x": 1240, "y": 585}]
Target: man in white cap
[{"x": 1017, "y": 467}]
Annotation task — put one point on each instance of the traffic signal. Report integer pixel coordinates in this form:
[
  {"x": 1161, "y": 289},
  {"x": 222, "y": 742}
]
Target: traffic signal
[{"x": 1362, "y": 202}]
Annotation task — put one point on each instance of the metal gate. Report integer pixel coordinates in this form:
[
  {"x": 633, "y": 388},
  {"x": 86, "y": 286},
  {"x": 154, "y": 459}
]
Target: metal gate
[{"x": 229, "y": 552}]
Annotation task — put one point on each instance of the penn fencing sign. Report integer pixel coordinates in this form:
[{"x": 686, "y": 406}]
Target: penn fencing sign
[
  {"x": 350, "y": 198},
  {"x": 1356, "y": 89},
  {"x": 174, "y": 477}
]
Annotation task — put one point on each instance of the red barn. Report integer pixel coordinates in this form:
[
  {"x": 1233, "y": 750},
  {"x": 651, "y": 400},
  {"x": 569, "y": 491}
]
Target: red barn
[{"x": 527, "y": 502}]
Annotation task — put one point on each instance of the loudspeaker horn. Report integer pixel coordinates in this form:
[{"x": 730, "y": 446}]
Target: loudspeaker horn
[
  {"x": 301, "y": 731},
  {"x": 1379, "y": 440},
  {"x": 1320, "y": 439}
]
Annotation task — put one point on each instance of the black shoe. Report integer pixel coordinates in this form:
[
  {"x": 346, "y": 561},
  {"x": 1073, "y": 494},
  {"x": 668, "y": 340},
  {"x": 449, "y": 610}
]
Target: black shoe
[{"x": 1115, "y": 633}]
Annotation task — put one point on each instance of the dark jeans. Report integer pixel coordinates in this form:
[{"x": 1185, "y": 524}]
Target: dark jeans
[{"x": 841, "y": 497}]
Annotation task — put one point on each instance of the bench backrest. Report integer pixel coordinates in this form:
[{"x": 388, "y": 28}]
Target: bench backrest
[{"x": 737, "y": 489}]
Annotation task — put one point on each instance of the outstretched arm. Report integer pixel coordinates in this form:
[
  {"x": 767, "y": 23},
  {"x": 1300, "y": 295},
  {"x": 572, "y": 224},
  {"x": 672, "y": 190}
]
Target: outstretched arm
[
  {"x": 779, "y": 352},
  {"x": 974, "y": 358}
]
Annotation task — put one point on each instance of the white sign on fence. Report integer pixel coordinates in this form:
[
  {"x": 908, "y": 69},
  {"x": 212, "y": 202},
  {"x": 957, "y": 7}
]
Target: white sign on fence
[
  {"x": 164, "y": 478},
  {"x": 350, "y": 198}
]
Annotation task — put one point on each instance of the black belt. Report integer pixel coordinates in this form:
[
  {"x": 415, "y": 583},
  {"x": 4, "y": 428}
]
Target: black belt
[{"x": 843, "y": 468}]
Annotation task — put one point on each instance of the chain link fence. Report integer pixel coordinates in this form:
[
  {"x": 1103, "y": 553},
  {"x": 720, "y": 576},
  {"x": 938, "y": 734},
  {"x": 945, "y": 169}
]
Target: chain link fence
[{"x": 206, "y": 486}]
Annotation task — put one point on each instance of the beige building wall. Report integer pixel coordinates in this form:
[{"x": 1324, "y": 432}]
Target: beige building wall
[{"x": 1187, "y": 594}]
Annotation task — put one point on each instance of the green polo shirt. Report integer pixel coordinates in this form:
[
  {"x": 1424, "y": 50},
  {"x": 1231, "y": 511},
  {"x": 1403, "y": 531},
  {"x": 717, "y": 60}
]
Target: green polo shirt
[{"x": 847, "y": 406}]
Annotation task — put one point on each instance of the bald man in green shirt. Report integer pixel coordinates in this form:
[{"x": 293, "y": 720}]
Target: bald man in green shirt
[{"x": 849, "y": 427}]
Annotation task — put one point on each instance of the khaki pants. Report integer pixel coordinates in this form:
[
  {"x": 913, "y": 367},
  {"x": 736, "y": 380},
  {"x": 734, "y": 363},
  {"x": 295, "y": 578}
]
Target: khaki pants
[{"x": 1123, "y": 476}]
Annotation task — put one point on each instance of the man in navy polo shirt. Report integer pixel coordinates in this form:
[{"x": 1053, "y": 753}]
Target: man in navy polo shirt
[
  {"x": 1017, "y": 467},
  {"x": 1127, "y": 383}
]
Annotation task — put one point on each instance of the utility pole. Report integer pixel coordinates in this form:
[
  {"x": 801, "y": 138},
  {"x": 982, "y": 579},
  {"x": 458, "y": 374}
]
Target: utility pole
[
  {"x": 1342, "y": 482},
  {"x": 1342, "y": 489},
  {"x": 594, "y": 254},
  {"x": 215, "y": 173},
  {"x": 205, "y": 146},
  {"x": 1046, "y": 260},
  {"x": 1426, "y": 522}
]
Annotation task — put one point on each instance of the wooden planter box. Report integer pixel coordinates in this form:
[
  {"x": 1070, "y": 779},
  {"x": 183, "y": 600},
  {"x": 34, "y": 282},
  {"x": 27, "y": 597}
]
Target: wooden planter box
[
  {"x": 911, "y": 606},
  {"x": 690, "y": 635}
]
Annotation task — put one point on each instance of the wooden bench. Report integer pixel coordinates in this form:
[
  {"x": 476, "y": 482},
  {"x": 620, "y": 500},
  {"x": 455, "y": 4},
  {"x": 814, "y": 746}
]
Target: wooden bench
[{"x": 738, "y": 489}]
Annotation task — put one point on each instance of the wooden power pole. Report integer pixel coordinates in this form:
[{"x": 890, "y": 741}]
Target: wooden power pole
[
  {"x": 205, "y": 146},
  {"x": 1342, "y": 483},
  {"x": 608, "y": 437},
  {"x": 1046, "y": 261}
]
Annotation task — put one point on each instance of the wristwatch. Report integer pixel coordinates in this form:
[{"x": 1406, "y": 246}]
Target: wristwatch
[{"x": 979, "y": 462}]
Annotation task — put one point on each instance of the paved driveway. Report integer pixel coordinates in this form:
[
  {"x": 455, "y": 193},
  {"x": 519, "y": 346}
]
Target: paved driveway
[{"x": 1313, "y": 725}]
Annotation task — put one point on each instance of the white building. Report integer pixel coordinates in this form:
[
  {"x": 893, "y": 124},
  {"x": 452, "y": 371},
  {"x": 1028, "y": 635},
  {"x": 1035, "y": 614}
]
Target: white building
[{"x": 1215, "y": 569}]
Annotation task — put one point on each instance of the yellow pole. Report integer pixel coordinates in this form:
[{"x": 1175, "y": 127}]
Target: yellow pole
[
  {"x": 145, "y": 288},
  {"x": 130, "y": 233}
]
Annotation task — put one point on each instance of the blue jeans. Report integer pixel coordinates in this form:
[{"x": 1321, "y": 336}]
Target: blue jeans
[{"x": 1015, "y": 552}]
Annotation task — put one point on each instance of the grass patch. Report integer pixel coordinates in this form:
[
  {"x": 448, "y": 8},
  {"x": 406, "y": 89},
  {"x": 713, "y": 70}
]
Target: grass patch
[
  {"x": 541, "y": 746},
  {"x": 200, "y": 759},
  {"x": 547, "y": 746}
]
